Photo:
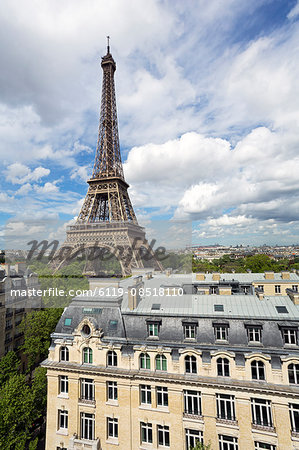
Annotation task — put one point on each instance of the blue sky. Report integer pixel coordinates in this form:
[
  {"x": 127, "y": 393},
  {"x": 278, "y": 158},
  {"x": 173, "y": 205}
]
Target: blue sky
[{"x": 207, "y": 96}]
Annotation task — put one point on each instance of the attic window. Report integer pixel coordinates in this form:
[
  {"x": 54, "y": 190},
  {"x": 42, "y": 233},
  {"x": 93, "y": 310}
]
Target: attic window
[
  {"x": 92, "y": 310},
  {"x": 67, "y": 322},
  {"x": 113, "y": 324},
  {"x": 85, "y": 330},
  {"x": 156, "y": 306},
  {"x": 281, "y": 309},
  {"x": 218, "y": 308}
]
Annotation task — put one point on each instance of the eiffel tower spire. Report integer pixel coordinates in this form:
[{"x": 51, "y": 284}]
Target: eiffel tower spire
[{"x": 107, "y": 198}]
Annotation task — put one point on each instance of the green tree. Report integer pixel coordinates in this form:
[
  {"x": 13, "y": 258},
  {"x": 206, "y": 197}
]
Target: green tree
[
  {"x": 16, "y": 413},
  {"x": 9, "y": 366},
  {"x": 39, "y": 391},
  {"x": 200, "y": 446},
  {"x": 37, "y": 327}
]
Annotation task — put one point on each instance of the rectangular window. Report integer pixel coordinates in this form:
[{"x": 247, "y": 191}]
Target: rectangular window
[
  {"x": 153, "y": 329},
  {"x": 221, "y": 332},
  {"x": 63, "y": 384},
  {"x": 193, "y": 437},
  {"x": 192, "y": 403},
  {"x": 87, "y": 426},
  {"x": 289, "y": 336},
  {"x": 277, "y": 289},
  {"x": 254, "y": 334},
  {"x": 112, "y": 427},
  {"x": 295, "y": 287},
  {"x": 163, "y": 436},
  {"x": 146, "y": 433},
  {"x": 190, "y": 331},
  {"x": 225, "y": 406},
  {"x": 261, "y": 412},
  {"x": 213, "y": 290},
  {"x": 62, "y": 418},
  {"x": 162, "y": 396},
  {"x": 294, "y": 416},
  {"x": 111, "y": 390},
  {"x": 67, "y": 322},
  {"x": 261, "y": 287},
  {"x": 228, "y": 442},
  {"x": 87, "y": 389},
  {"x": 263, "y": 445},
  {"x": 145, "y": 394}
]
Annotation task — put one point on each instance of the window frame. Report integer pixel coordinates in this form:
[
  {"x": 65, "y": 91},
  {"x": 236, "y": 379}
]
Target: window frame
[
  {"x": 223, "y": 367},
  {"x": 221, "y": 332},
  {"x": 277, "y": 288},
  {"x": 87, "y": 355},
  {"x": 227, "y": 442},
  {"x": 87, "y": 389},
  {"x": 112, "y": 425},
  {"x": 64, "y": 353},
  {"x": 161, "y": 361},
  {"x": 289, "y": 336},
  {"x": 190, "y": 364},
  {"x": 145, "y": 394},
  {"x": 226, "y": 407},
  {"x": 258, "y": 369},
  {"x": 162, "y": 396},
  {"x": 163, "y": 432},
  {"x": 63, "y": 418},
  {"x": 144, "y": 360},
  {"x": 111, "y": 358},
  {"x": 295, "y": 374},
  {"x": 88, "y": 420},
  {"x": 153, "y": 329},
  {"x": 112, "y": 390},
  {"x": 193, "y": 399},
  {"x": 190, "y": 331},
  {"x": 192, "y": 437},
  {"x": 260, "y": 409},
  {"x": 63, "y": 384},
  {"x": 254, "y": 334},
  {"x": 294, "y": 411},
  {"x": 146, "y": 431}
]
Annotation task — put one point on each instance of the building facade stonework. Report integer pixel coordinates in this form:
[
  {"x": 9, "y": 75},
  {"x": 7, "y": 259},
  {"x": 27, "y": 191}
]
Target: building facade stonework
[{"x": 147, "y": 364}]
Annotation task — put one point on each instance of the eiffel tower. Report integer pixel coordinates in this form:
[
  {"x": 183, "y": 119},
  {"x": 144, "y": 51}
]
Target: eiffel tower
[{"x": 107, "y": 219}]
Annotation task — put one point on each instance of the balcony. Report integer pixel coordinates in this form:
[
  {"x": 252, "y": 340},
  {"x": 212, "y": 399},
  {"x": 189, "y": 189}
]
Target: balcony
[
  {"x": 232, "y": 422},
  {"x": 295, "y": 434},
  {"x": 193, "y": 415},
  {"x": 268, "y": 428},
  {"x": 87, "y": 401},
  {"x": 76, "y": 443}
]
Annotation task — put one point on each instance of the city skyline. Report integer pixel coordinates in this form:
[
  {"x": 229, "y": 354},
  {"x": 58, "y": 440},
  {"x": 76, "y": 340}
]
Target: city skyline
[{"x": 207, "y": 125}]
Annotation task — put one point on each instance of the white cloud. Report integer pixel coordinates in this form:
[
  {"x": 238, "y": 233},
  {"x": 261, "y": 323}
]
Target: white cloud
[
  {"x": 47, "y": 188},
  {"x": 18, "y": 173},
  {"x": 294, "y": 11}
]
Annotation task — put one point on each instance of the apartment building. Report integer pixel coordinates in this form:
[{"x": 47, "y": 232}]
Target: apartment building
[
  {"x": 145, "y": 364},
  {"x": 13, "y": 307}
]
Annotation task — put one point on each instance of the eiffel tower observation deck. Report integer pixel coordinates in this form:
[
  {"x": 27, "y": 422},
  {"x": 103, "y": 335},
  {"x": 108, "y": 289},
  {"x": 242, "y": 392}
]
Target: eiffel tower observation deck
[{"x": 107, "y": 220}]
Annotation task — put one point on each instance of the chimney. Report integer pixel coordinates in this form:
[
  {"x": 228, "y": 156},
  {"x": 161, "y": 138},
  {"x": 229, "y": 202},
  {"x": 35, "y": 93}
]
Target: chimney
[
  {"x": 134, "y": 294},
  {"x": 269, "y": 275},
  {"x": 216, "y": 276},
  {"x": 285, "y": 275},
  {"x": 260, "y": 294},
  {"x": 200, "y": 276},
  {"x": 294, "y": 296}
]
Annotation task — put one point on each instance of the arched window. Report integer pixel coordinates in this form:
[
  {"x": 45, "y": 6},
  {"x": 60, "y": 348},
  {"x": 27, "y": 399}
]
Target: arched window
[
  {"x": 111, "y": 358},
  {"x": 190, "y": 364},
  {"x": 64, "y": 354},
  {"x": 223, "y": 367},
  {"x": 161, "y": 362},
  {"x": 145, "y": 361},
  {"x": 293, "y": 371},
  {"x": 87, "y": 355},
  {"x": 258, "y": 370}
]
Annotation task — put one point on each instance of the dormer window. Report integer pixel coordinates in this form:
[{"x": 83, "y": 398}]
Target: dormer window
[
  {"x": 254, "y": 333},
  {"x": 87, "y": 355},
  {"x": 64, "y": 354},
  {"x": 111, "y": 358},
  {"x": 221, "y": 332},
  {"x": 153, "y": 328},
  {"x": 289, "y": 335},
  {"x": 190, "y": 331}
]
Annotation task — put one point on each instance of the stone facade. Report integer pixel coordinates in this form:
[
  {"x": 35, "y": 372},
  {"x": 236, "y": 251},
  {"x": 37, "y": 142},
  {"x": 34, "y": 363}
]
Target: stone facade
[{"x": 162, "y": 372}]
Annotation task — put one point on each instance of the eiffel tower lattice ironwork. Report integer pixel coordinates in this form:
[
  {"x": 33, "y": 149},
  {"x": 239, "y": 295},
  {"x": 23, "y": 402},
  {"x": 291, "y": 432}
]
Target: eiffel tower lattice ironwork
[{"x": 107, "y": 219}]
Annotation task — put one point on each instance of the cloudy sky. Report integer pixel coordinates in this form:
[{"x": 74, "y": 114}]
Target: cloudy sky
[{"x": 208, "y": 109}]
